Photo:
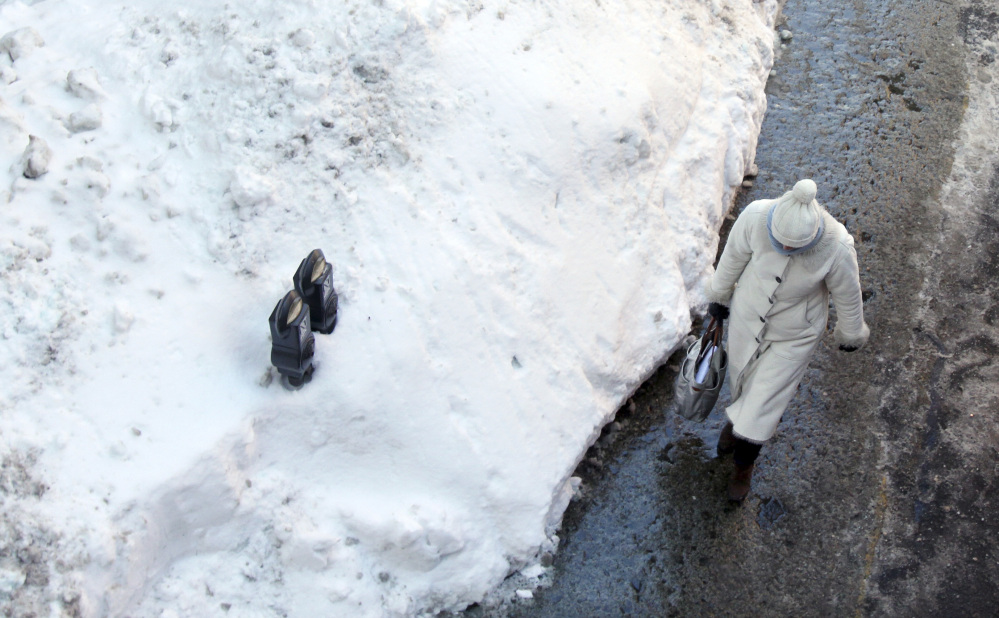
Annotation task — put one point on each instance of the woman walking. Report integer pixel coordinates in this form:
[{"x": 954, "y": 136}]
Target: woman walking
[{"x": 783, "y": 262}]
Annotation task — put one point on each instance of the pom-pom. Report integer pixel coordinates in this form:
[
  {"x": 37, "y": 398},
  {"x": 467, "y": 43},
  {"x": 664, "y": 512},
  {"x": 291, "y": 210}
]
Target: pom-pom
[{"x": 804, "y": 191}]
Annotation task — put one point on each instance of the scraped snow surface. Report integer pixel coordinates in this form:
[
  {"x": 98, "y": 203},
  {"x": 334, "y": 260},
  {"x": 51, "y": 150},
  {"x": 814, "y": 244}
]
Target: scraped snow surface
[{"x": 520, "y": 200}]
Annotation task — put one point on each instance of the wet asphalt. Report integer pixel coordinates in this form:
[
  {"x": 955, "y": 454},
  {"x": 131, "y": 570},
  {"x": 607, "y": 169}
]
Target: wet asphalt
[{"x": 878, "y": 495}]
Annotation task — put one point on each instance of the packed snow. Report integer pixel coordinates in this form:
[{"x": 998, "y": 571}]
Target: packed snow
[{"x": 521, "y": 203}]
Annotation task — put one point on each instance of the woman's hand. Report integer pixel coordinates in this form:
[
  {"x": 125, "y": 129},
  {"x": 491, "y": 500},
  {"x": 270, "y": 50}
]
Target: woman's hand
[{"x": 718, "y": 311}]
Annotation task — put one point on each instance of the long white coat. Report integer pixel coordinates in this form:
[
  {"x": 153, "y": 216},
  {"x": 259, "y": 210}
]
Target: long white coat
[{"x": 779, "y": 308}]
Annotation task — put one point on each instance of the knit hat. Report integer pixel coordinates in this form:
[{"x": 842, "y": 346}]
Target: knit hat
[{"x": 796, "y": 216}]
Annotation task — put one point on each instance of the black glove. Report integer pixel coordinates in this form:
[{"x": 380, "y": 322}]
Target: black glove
[
  {"x": 718, "y": 311},
  {"x": 848, "y": 348}
]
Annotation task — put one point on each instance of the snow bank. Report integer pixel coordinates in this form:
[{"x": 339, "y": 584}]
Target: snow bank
[{"x": 520, "y": 201}]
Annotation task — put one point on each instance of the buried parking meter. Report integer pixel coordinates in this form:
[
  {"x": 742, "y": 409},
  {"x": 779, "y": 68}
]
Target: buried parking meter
[
  {"x": 314, "y": 282},
  {"x": 292, "y": 342}
]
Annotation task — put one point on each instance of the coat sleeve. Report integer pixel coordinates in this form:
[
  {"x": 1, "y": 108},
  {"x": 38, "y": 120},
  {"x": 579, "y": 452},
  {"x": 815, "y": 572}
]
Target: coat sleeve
[
  {"x": 843, "y": 282},
  {"x": 738, "y": 250}
]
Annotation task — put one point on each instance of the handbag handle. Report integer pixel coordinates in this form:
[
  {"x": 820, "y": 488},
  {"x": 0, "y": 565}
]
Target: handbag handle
[
  {"x": 712, "y": 335},
  {"x": 718, "y": 327}
]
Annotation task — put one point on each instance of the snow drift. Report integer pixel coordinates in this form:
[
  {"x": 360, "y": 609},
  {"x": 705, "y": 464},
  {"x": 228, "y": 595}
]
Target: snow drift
[{"x": 520, "y": 200}]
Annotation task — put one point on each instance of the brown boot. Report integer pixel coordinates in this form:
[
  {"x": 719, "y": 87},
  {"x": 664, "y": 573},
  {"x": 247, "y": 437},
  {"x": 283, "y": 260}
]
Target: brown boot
[
  {"x": 738, "y": 483},
  {"x": 726, "y": 441}
]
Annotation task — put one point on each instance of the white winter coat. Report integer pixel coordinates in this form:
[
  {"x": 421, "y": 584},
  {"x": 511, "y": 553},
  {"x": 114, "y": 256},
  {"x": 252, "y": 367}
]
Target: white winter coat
[{"x": 779, "y": 307}]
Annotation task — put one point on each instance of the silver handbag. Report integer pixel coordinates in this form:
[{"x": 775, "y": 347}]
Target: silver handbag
[{"x": 701, "y": 374}]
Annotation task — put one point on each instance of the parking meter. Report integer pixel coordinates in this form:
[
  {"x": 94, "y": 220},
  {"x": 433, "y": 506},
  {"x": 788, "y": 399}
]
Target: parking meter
[
  {"x": 314, "y": 283},
  {"x": 292, "y": 342}
]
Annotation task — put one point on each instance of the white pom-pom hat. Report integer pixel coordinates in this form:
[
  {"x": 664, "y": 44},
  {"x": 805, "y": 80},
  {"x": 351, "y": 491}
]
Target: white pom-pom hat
[{"x": 796, "y": 216}]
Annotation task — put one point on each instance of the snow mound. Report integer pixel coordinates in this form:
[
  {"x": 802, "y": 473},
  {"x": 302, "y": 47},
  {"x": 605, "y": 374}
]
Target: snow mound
[{"x": 521, "y": 204}]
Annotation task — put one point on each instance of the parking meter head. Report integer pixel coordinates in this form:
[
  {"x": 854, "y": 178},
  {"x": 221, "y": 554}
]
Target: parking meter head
[
  {"x": 292, "y": 341},
  {"x": 314, "y": 282}
]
